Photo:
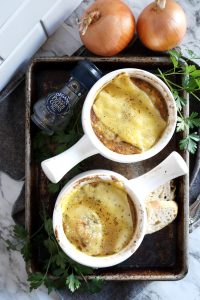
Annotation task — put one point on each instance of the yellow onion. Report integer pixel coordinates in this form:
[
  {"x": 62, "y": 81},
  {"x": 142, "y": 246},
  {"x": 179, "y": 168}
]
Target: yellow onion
[
  {"x": 107, "y": 27},
  {"x": 162, "y": 25}
]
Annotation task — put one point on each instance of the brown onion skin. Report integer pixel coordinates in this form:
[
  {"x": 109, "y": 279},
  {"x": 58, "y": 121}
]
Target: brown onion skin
[
  {"x": 162, "y": 30},
  {"x": 113, "y": 31}
]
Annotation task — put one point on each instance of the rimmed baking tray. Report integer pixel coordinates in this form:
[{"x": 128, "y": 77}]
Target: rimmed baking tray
[{"x": 162, "y": 255}]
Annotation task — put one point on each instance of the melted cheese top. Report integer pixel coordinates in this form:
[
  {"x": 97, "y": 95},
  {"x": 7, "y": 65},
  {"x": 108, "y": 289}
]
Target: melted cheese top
[
  {"x": 98, "y": 218},
  {"x": 129, "y": 113}
]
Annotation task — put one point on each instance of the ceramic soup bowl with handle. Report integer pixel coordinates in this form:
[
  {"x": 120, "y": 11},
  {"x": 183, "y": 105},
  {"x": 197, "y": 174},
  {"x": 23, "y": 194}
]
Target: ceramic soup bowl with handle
[
  {"x": 137, "y": 189},
  {"x": 56, "y": 167}
]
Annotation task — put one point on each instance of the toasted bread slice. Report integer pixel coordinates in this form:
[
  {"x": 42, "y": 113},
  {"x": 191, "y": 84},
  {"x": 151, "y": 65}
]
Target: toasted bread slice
[
  {"x": 160, "y": 214},
  {"x": 165, "y": 192}
]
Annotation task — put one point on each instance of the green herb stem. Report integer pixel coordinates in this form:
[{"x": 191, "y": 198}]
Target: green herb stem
[
  {"x": 195, "y": 96},
  {"x": 37, "y": 231},
  {"x": 163, "y": 77},
  {"x": 48, "y": 265}
]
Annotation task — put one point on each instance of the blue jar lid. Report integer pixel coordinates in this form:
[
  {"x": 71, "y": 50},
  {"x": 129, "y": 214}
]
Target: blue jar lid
[{"x": 86, "y": 73}]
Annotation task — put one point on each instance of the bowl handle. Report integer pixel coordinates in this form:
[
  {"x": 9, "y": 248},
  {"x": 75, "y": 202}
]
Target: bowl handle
[
  {"x": 173, "y": 166},
  {"x": 56, "y": 167}
]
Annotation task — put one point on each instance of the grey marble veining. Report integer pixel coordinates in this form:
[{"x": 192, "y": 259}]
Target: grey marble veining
[{"x": 13, "y": 276}]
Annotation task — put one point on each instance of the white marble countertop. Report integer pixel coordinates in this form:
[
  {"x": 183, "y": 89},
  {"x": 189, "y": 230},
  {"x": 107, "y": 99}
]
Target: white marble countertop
[{"x": 13, "y": 276}]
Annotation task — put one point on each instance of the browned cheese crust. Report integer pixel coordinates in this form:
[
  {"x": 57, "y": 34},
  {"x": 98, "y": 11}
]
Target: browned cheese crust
[{"x": 120, "y": 146}]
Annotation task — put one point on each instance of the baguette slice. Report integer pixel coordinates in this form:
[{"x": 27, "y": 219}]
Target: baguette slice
[
  {"x": 160, "y": 214},
  {"x": 165, "y": 192}
]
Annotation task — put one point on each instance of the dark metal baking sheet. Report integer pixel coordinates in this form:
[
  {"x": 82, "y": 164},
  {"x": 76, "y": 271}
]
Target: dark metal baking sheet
[{"x": 162, "y": 255}]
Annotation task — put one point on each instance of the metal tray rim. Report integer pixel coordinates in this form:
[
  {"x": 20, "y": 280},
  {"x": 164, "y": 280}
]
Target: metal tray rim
[{"x": 155, "y": 60}]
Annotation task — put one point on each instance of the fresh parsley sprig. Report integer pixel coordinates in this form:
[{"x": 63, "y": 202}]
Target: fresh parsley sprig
[
  {"x": 57, "y": 269},
  {"x": 190, "y": 84}
]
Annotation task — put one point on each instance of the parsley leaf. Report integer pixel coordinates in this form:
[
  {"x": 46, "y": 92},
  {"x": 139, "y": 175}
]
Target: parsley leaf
[
  {"x": 198, "y": 83},
  {"x": 175, "y": 56},
  {"x": 190, "y": 83},
  {"x": 195, "y": 73},
  {"x": 49, "y": 283},
  {"x": 20, "y": 232},
  {"x": 193, "y": 120},
  {"x": 58, "y": 270},
  {"x": 25, "y": 251},
  {"x": 186, "y": 123},
  {"x": 181, "y": 124},
  {"x": 48, "y": 225},
  {"x": 180, "y": 101},
  {"x": 35, "y": 280},
  {"x": 95, "y": 285},
  {"x": 73, "y": 283},
  {"x": 50, "y": 245},
  {"x": 82, "y": 270},
  {"x": 60, "y": 260},
  {"x": 190, "y": 142},
  {"x": 190, "y": 68}
]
